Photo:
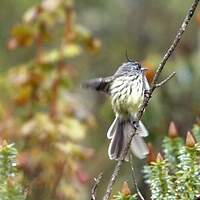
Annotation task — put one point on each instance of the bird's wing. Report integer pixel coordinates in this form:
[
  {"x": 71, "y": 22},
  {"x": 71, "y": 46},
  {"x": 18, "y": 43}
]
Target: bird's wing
[{"x": 99, "y": 84}]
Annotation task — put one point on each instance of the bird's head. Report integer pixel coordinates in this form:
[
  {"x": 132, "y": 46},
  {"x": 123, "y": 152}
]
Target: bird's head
[{"x": 133, "y": 67}]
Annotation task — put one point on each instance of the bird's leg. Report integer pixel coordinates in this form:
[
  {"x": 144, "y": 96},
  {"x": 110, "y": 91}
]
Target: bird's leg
[
  {"x": 147, "y": 93},
  {"x": 134, "y": 123}
]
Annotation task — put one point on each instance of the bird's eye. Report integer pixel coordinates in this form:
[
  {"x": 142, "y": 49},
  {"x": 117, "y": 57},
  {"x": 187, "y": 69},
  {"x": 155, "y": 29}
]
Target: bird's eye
[{"x": 138, "y": 66}]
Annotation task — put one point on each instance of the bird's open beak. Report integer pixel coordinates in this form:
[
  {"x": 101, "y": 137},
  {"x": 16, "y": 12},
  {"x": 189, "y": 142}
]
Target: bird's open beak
[{"x": 144, "y": 69}]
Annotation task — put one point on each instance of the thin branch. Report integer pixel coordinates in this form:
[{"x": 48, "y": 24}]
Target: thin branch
[
  {"x": 134, "y": 179},
  {"x": 176, "y": 41},
  {"x": 165, "y": 80},
  {"x": 94, "y": 188},
  {"x": 148, "y": 97}
]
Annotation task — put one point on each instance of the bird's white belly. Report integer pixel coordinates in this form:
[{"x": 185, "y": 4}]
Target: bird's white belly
[
  {"x": 127, "y": 96},
  {"x": 134, "y": 101}
]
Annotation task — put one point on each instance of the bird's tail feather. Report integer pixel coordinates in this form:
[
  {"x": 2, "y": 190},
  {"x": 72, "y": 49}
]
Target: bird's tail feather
[
  {"x": 119, "y": 133},
  {"x": 138, "y": 147}
]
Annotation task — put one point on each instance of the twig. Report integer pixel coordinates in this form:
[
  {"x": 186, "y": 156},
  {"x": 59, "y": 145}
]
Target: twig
[
  {"x": 94, "y": 188},
  {"x": 148, "y": 97},
  {"x": 165, "y": 80},
  {"x": 134, "y": 179}
]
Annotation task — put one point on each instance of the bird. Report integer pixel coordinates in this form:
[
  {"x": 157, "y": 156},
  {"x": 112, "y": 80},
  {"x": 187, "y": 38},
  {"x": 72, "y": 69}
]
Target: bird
[{"x": 127, "y": 88}]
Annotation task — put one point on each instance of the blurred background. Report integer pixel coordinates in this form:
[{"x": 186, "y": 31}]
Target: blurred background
[{"x": 48, "y": 48}]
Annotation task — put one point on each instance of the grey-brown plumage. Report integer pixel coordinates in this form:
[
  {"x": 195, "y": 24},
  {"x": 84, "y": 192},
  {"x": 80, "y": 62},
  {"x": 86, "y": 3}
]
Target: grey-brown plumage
[{"x": 126, "y": 89}]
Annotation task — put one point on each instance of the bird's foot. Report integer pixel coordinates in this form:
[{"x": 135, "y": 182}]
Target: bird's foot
[
  {"x": 135, "y": 124},
  {"x": 147, "y": 93}
]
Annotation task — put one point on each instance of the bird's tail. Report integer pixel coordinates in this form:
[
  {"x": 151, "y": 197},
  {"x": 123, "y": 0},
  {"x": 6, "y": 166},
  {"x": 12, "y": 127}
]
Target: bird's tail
[{"x": 119, "y": 134}]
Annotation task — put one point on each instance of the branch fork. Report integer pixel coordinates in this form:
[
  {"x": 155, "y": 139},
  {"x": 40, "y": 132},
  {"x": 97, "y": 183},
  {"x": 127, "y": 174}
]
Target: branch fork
[
  {"x": 94, "y": 188},
  {"x": 147, "y": 98}
]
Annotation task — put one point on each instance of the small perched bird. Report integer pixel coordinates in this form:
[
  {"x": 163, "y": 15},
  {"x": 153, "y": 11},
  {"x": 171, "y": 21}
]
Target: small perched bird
[{"x": 127, "y": 90}]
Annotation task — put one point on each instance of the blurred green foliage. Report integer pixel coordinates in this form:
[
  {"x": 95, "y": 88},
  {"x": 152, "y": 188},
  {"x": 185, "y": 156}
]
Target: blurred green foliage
[
  {"x": 39, "y": 111},
  {"x": 176, "y": 176},
  {"x": 10, "y": 186}
]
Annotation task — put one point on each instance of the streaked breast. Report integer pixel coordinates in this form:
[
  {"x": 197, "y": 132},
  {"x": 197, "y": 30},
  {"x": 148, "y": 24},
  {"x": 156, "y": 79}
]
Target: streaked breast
[{"x": 126, "y": 94}]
